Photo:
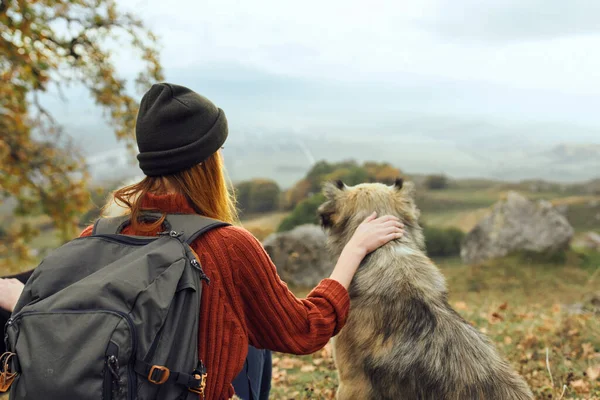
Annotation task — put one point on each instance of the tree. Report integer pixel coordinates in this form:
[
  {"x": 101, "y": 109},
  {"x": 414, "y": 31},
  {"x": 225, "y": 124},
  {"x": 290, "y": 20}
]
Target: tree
[
  {"x": 304, "y": 213},
  {"x": 350, "y": 172},
  {"x": 258, "y": 196},
  {"x": 264, "y": 196},
  {"x": 436, "y": 182},
  {"x": 53, "y": 43},
  {"x": 242, "y": 195}
]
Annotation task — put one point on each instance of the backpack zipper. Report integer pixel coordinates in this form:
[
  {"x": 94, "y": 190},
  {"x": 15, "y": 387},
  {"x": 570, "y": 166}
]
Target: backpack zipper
[
  {"x": 123, "y": 239},
  {"x": 197, "y": 265}
]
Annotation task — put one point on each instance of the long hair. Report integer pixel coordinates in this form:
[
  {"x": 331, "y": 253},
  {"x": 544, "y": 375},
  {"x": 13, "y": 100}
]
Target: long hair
[{"x": 204, "y": 186}]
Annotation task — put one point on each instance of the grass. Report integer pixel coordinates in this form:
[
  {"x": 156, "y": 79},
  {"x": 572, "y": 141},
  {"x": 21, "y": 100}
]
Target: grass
[
  {"x": 521, "y": 304},
  {"x": 263, "y": 225}
]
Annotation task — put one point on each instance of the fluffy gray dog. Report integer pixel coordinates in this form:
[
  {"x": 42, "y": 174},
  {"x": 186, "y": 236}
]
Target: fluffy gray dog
[{"x": 402, "y": 339}]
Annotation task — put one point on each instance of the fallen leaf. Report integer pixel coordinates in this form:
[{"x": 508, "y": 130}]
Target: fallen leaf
[
  {"x": 587, "y": 348},
  {"x": 503, "y": 306},
  {"x": 461, "y": 305},
  {"x": 593, "y": 372},
  {"x": 307, "y": 368},
  {"x": 556, "y": 308},
  {"x": 581, "y": 386}
]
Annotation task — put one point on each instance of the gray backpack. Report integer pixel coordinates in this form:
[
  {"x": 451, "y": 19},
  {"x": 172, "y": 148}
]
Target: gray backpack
[{"x": 111, "y": 316}]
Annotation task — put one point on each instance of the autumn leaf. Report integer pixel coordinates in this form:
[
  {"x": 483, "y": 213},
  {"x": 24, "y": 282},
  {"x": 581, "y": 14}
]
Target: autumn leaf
[
  {"x": 581, "y": 386},
  {"x": 307, "y": 368},
  {"x": 593, "y": 372}
]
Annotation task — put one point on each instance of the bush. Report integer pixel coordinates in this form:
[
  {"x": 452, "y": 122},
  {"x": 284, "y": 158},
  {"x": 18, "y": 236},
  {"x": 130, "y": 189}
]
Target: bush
[
  {"x": 258, "y": 196},
  {"x": 443, "y": 242},
  {"x": 436, "y": 182},
  {"x": 350, "y": 172},
  {"x": 304, "y": 213}
]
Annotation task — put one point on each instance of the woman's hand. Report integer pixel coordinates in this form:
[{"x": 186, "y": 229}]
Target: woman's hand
[
  {"x": 10, "y": 291},
  {"x": 374, "y": 232},
  {"x": 371, "y": 234}
]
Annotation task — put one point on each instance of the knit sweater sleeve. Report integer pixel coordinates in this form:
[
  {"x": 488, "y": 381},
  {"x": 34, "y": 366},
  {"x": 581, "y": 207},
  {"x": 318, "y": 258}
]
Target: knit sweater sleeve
[
  {"x": 87, "y": 231},
  {"x": 275, "y": 317}
]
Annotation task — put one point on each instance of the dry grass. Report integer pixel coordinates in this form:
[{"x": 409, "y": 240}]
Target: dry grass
[{"x": 521, "y": 306}]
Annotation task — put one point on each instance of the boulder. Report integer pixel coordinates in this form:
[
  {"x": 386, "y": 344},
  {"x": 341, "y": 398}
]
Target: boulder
[
  {"x": 515, "y": 224},
  {"x": 300, "y": 255}
]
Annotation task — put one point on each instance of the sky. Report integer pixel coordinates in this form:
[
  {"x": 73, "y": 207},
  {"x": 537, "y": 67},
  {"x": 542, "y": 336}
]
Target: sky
[
  {"x": 525, "y": 70},
  {"x": 543, "y": 44}
]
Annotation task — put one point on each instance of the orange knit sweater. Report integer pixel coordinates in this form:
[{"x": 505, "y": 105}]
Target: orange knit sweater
[{"x": 247, "y": 302}]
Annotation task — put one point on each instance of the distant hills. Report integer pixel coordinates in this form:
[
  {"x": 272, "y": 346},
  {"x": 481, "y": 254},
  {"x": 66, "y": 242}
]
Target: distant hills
[
  {"x": 286, "y": 157},
  {"x": 279, "y": 125}
]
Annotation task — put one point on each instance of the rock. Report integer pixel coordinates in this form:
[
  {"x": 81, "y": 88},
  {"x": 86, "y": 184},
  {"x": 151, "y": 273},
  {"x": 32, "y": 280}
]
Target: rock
[
  {"x": 591, "y": 240},
  {"x": 300, "y": 255},
  {"x": 563, "y": 209},
  {"x": 591, "y": 303},
  {"x": 517, "y": 224}
]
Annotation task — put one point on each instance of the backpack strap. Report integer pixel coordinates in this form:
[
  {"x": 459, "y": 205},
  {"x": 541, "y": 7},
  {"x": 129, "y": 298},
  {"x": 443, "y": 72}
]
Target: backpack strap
[
  {"x": 190, "y": 226},
  {"x": 108, "y": 226}
]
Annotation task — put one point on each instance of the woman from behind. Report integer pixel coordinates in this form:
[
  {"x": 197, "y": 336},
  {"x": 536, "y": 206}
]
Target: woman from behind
[{"x": 180, "y": 135}]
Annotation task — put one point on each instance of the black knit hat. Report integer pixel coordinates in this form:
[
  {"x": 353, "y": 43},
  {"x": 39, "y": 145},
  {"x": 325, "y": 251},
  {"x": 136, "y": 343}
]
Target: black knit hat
[{"x": 177, "y": 129}]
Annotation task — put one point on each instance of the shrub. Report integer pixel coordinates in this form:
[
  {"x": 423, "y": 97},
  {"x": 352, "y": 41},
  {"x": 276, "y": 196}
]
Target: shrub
[
  {"x": 350, "y": 172},
  {"x": 258, "y": 196},
  {"x": 443, "y": 242},
  {"x": 304, "y": 213},
  {"x": 436, "y": 182}
]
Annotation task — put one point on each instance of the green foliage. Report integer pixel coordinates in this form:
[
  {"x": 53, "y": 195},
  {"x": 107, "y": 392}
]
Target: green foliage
[
  {"x": 436, "y": 182},
  {"x": 304, "y": 213},
  {"x": 350, "y": 172},
  {"x": 242, "y": 195},
  {"x": 258, "y": 196},
  {"x": 443, "y": 242},
  {"x": 584, "y": 216}
]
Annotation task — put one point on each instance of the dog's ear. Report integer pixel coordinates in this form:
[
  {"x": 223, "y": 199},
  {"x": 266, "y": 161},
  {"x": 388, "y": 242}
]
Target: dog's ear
[
  {"x": 325, "y": 212},
  {"x": 332, "y": 189},
  {"x": 398, "y": 183}
]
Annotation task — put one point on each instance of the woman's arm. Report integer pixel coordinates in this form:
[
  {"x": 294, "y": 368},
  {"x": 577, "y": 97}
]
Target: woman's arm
[
  {"x": 279, "y": 321},
  {"x": 11, "y": 289}
]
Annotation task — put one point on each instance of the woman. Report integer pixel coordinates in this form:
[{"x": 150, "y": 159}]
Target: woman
[{"x": 179, "y": 135}]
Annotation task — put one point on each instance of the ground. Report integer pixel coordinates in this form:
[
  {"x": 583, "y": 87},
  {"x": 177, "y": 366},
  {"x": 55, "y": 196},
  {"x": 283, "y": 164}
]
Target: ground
[
  {"x": 521, "y": 305},
  {"x": 519, "y": 302}
]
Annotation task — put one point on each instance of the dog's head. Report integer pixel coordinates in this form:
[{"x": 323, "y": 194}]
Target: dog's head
[{"x": 347, "y": 206}]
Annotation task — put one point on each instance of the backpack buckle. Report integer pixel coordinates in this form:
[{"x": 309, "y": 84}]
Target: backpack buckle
[
  {"x": 200, "y": 389},
  {"x": 165, "y": 373},
  {"x": 199, "y": 374},
  {"x": 6, "y": 375}
]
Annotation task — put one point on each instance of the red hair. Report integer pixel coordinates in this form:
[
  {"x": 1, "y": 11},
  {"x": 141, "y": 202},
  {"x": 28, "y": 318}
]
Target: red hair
[{"x": 204, "y": 186}]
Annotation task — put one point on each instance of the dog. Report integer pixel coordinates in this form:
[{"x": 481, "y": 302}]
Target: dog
[{"x": 402, "y": 339}]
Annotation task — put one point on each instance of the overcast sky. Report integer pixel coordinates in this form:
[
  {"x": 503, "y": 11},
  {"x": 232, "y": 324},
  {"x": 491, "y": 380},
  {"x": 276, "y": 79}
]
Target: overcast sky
[
  {"x": 502, "y": 63},
  {"x": 544, "y": 44}
]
